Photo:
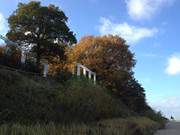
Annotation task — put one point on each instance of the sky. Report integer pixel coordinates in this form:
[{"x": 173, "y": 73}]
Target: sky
[{"x": 151, "y": 29}]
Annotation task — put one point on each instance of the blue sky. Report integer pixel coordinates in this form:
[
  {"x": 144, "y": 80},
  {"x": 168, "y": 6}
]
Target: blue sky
[{"x": 151, "y": 28}]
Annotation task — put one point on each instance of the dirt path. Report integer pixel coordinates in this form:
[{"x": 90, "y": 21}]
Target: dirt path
[{"x": 172, "y": 128}]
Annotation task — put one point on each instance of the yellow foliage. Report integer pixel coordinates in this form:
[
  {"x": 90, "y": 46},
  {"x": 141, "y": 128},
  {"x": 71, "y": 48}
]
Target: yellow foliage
[{"x": 102, "y": 55}]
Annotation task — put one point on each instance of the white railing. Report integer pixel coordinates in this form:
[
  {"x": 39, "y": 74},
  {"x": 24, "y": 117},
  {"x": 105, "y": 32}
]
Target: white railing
[
  {"x": 79, "y": 69},
  {"x": 86, "y": 72}
]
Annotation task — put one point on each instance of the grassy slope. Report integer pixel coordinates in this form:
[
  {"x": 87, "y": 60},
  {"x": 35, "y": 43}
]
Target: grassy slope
[
  {"x": 128, "y": 126},
  {"x": 25, "y": 99}
]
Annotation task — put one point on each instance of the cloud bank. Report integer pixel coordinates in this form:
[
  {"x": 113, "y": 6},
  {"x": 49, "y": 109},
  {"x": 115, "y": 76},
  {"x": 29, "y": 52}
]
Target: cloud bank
[
  {"x": 145, "y": 9},
  {"x": 3, "y": 26},
  {"x": 169, "y": 106},
  {"x": 173, "y": 67},
  {"x": 132, "y": 34}
]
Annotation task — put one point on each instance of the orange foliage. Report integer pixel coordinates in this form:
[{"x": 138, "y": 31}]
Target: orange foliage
[
  {"x": 56, "y": 65},
  {"x": 102, "y": 55}
]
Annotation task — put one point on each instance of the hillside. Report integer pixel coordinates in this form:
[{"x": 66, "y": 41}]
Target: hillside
[
  {"x": 29, "y": 99},
  {"x": 35, "y": 99}
]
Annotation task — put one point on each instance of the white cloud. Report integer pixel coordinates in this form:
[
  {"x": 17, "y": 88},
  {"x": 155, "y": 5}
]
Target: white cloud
[
  {"x": 173, "y": 67},
  {"x": 3, "y": 27},
  {"x": 130, "y": 33},
  {"x": 145, "y": 9},
  {"x": 169, "y": 106}
]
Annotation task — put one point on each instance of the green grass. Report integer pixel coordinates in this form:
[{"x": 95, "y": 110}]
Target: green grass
[
  {"x": 130, "y": 126},
  {"x": 29, "y": 100}
]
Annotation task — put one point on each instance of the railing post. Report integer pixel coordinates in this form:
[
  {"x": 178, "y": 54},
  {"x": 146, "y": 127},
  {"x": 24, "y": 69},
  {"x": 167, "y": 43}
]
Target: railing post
[
  {"x": 84, "y": 71},
  {"x": 78, "y": 70},
  {"x": 89, "y": 74},
  {"x": 45, "y": 72},
  {"x": 23, "y": 57},
  {"x": 94, "y": 78}
]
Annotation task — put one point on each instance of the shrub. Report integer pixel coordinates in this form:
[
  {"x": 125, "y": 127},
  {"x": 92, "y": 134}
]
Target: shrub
[
  {"x": 62, "y": 76},
  {"x": 27, "y": 100},
  {"x": 85, "y": 101},
  {"x": 29, "y": 66},
  {"x": 24, "y": 100},
  {"x": 156, "y": 116},
  {"x": 130, "y": 126}
]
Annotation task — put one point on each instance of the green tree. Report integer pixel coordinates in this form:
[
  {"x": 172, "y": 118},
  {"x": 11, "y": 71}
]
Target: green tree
[
  {"x": 42, "y": 29},
  {"x": 130, "y": 91}
]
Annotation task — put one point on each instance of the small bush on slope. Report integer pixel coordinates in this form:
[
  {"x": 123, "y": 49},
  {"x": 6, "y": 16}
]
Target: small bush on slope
[{"x": 156, "y": 116}]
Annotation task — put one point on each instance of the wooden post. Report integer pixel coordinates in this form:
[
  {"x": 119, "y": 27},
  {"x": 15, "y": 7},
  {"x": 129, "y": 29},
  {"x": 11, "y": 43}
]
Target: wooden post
[
  {"x": 94, "y": 78},
  {"x": 78, "y": 70},
  {"x": 89, "y": 74},
  {"x": 84, "y": 71},
  {"x": 45, "y": 72},
  {"x": 23, "y": 57}
]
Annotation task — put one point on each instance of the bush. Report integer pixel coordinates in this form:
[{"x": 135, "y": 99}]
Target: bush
[
  {"x": 156, "y": 116},
  {"x": 63, "y": 76},
  {"x": 130, "y": 126},
  {"x": 10, "y": 56},
  {"x": 29, "y": 66},
  {"x": 26, "y": 100},
  {"x": 85, "y": 101}
]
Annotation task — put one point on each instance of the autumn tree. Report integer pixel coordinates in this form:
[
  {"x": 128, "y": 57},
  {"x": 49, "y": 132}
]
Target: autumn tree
[
  {"x": 110, "y": 57},
  {"x": 41, "y": 29},
  {"x": 103, "y": 55}
]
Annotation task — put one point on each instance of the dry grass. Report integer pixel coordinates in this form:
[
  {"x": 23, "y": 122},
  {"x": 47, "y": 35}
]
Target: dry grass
[{"x": 130, "y": 126}]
